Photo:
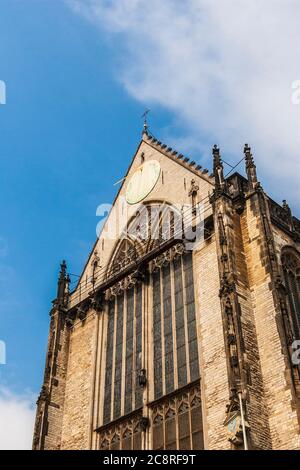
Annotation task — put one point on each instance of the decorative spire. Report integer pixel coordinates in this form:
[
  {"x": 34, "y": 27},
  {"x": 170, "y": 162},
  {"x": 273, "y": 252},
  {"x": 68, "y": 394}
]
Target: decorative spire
[
  {"x": 145, "y": 127},
  {"x": 250, "y": 167},
  {"x": 63, "y": 284},
  {"x": 218, "y": 168},
  {"x": 289, "y": 216}
]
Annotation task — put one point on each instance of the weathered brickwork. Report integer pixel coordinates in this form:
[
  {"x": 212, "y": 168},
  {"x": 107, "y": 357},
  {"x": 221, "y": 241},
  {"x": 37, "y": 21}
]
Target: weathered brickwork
[
  {"x": 75, "y": 427},
  {"x": 58, "y": 384},
  {"x": 256, "y": 404},
  {"x": 214, "y": 379},
  {"x": 48, "y": 426},
  {"x": 282, "y": 240},
  {"x": 283, "y": 422}
]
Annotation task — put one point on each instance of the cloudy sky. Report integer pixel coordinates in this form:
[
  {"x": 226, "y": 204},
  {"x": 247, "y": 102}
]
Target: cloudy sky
[
  {"x": 79, "y": 74},
  {"x": 224, "y": 69}
]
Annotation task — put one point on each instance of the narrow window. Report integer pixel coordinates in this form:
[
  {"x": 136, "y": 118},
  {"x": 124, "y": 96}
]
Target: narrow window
[{"x": 291, "y": 268}]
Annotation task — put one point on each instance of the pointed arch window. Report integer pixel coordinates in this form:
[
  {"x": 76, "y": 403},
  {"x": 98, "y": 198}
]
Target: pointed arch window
[
  {"x": 291, "y": 267},
  {"x": 176, "y": 420},
  {"x": 150, "y": 326},
  {"x": 126, "y": 253}
]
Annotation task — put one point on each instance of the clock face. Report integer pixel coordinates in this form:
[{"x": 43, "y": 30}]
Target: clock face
[{"x": 142, "y": 181}]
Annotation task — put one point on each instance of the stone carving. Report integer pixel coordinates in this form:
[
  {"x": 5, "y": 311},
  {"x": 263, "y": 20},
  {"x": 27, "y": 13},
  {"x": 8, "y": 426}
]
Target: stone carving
[{"x": 166, "y": 257}]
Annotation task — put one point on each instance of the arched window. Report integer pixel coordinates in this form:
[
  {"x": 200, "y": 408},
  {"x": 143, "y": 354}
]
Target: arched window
[
  {"x": 126, "y": 253},
  {"x": 150, "y": 356},
  {"x": 291, "y": 267}
]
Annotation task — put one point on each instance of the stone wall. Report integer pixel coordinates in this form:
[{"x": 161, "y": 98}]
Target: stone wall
[
  {"x": 283, "y": 422},
  {"x": 257, "y": 414},
  {"x": 76, "y": 426},
  {"x": 75, "y": 404},
  {"x": 213, "y": 367}
]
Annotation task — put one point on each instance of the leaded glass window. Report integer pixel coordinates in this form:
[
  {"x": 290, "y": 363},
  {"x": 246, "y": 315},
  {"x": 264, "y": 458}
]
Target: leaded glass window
[
  {"x": 177, "y": 421},
  {"x": 291, "y": 268},
  {"x": 175, "y": 346},
  {"x": 150, "y": 333},
  {"x": 125, "y": 434},
  {"x": 123, "y": 353}
]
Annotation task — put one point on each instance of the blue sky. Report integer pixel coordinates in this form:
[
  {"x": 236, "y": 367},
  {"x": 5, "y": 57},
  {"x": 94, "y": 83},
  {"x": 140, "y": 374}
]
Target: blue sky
[
  {"x": 79, "y": 74},
  {"x": 68, "y": 131}
]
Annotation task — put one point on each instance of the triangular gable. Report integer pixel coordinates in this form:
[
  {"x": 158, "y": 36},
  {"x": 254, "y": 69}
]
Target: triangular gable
[
  {"x": 179, "y": 158},
  {"x": 147, "y": 143}
]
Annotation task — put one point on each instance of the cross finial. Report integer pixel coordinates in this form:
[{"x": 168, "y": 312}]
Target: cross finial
[
  {"x": 144, "y": 116},
  {"x": 63, "y": 283}
]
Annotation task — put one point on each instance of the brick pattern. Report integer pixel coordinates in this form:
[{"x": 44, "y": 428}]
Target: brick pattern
[
  {"x": 75, "y": 424},
  {"x": 48, "y": 426},
  {"x": 213, "y": 367},
  {"x": 282, "y": 416},
  {"x": 257, "y": 414}
]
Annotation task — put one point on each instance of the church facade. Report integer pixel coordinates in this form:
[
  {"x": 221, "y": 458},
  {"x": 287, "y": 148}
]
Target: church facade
[{"x": 182, "y": 330}]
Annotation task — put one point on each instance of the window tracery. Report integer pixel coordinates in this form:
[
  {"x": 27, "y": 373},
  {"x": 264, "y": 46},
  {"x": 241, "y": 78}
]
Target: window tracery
[
  {"x": 291, "y": 268},
  {"x": 169, "y": 287},
  {"x": 177, "y": 421}
]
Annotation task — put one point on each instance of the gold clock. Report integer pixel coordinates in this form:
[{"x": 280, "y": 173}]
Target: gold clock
[{"x": 142, "y": 181}]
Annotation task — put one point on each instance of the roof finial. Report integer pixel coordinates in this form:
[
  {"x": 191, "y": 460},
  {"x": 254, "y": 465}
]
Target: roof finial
[
  {"x": 144, "y": 116},
  {"x": 289, "y": 216},
  {"x": 218, "y": 168},
  {"x": 250, "y": 167},
  {"x": 63, "y": 284}
]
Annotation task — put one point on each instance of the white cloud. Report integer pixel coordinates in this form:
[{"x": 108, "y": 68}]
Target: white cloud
[
  {"x": 16, "y": 420},
  {"x": 224, "y": 68}
]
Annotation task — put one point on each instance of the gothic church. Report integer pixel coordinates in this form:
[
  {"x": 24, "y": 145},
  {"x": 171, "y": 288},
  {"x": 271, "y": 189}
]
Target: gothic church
[{"x": 181, "y": 331}]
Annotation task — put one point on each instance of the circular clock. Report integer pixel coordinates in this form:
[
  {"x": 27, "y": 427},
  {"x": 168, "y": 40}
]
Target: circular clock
[{"x": 142, "y": 181}]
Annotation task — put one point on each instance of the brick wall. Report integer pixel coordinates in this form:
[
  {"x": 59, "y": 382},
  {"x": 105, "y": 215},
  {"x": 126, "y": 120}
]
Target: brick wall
[
  {"x": 75, "y": 428},
  {"x": 213, "y": 368},
  {"x": 283, "y": 423}
]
